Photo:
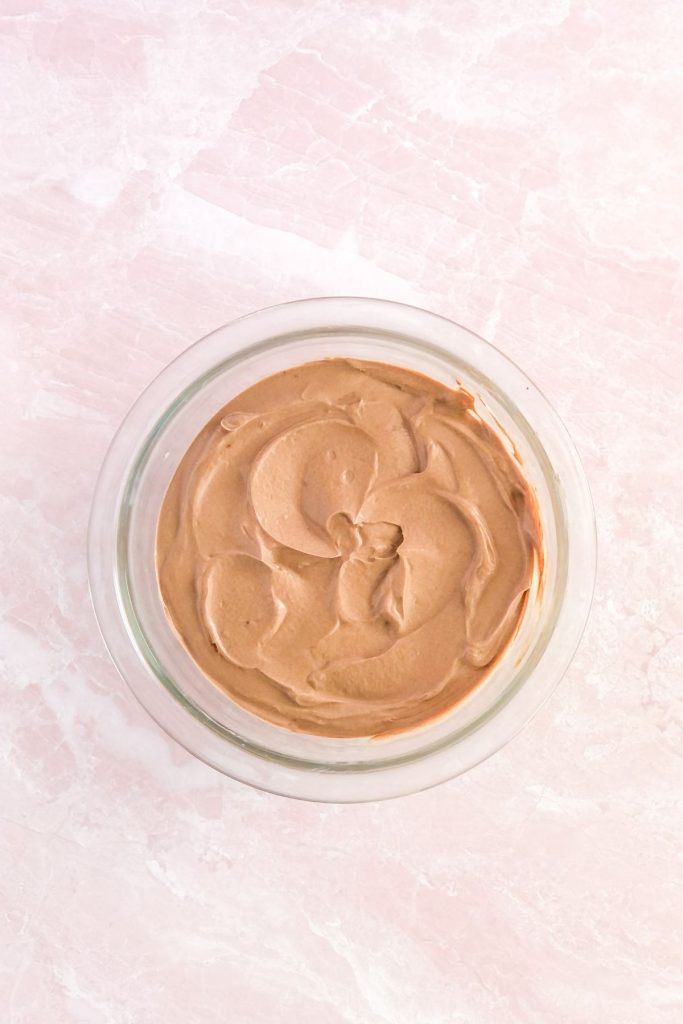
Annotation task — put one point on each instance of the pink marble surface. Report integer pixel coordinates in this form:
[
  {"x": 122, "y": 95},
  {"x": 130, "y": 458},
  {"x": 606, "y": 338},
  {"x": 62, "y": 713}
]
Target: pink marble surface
[{"x": 168, "y": 165}]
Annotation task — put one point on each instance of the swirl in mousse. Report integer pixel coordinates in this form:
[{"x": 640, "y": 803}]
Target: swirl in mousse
[{"x": 347, "y": 548}]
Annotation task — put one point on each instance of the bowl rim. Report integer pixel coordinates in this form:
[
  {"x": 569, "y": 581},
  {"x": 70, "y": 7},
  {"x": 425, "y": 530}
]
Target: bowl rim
[{"x": 287, "y": 775}]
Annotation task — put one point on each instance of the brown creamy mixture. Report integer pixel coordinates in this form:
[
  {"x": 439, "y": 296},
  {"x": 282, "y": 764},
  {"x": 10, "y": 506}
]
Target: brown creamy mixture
[{"x": 346, "y": 548}]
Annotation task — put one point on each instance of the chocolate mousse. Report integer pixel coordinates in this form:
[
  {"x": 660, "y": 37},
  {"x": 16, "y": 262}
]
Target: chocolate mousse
[{"x": 347, "y": 548}]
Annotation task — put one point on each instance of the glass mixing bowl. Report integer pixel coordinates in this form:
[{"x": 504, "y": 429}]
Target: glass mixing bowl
[{"x": 141, "y": 461}]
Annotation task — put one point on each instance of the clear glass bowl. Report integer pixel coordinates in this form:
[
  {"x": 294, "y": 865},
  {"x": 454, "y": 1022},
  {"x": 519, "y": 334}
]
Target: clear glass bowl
[{"x": 137, "y": 470}]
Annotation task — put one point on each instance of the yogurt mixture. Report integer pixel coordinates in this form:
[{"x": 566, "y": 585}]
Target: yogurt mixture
[{"x": 346, "y": 548}]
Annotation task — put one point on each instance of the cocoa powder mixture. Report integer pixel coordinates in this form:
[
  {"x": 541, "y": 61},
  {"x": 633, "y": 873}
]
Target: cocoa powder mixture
[{"x": 346, "y": 548}]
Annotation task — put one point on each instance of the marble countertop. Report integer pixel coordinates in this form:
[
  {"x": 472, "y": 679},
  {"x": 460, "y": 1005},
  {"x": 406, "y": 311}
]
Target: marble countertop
[{"x": 169, "y": 165}]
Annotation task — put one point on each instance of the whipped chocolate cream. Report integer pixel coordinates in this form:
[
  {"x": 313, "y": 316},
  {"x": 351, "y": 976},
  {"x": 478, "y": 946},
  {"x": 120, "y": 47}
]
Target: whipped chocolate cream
[{"x": 346, "y": 548}]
